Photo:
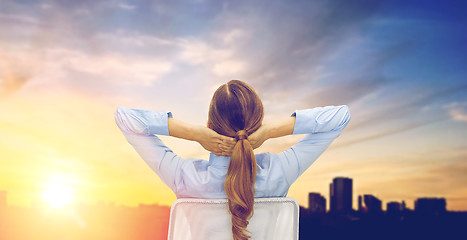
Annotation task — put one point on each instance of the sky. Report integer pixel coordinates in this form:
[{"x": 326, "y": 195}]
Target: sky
[{"x": 65, "y": 66}]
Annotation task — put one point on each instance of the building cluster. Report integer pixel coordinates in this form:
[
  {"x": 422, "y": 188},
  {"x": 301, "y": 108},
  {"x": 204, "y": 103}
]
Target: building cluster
[{"x": 341, "y": 195}]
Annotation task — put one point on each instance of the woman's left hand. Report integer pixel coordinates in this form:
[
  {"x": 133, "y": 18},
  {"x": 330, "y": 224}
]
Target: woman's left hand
[{"x": 214, "y": 142}]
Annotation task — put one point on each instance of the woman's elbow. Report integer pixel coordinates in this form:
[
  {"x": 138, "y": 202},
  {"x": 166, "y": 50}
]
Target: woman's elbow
[{"x": 345, "y": 119}]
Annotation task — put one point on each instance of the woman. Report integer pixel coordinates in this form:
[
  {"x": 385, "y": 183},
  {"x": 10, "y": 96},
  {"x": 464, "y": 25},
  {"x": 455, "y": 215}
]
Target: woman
[{"x": 234, "y": 129}]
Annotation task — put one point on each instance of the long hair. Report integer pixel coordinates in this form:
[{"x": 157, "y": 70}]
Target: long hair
[{"x": 237, "y": 111}]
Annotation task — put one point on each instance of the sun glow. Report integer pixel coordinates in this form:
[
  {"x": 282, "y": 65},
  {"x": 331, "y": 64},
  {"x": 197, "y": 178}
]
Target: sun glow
[{"x": 58, "y": 195}]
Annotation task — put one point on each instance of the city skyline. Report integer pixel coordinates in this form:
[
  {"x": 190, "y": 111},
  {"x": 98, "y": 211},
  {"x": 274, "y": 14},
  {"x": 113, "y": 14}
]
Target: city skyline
[
  {"x": 102, "y": 220},
  {"x": 65, "y": 66},
  {"x": 343, "y": 201},
  {"x": 316, "y": 196}
]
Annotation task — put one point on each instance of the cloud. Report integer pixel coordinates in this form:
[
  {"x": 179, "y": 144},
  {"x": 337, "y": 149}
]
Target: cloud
[
  {"x": 286, "y": 56},
  {"x": 21, "y": 18},
  {"x": 126, "y": 6},
  {"x": 11, "y": 78},
  {"x": 250, "y": 50},
  {"x": 232, "y": 36},
  {"x": 122, "y": 39},
  {"x": 228, "y": 68},
  {"x": 195, "y": 51},
  {"x": 405, "y": 113},
  {"x": 16, "y": 69},
  {"x": 304, "y": 56},
  {"x": 294, "y": 43},
  {"x": 124, "y": 70},
  {"x": 404, "y": 104},
  {"x": 457, "y": 111},
  {"x": 400, "y": 128},
  {"x": 60, "y": 68}
]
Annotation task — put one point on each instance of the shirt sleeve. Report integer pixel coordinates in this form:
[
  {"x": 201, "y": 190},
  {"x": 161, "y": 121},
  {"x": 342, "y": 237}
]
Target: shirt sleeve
[
  {"x": 322, "y": 125},
  {"x": 139, "y": 128}
]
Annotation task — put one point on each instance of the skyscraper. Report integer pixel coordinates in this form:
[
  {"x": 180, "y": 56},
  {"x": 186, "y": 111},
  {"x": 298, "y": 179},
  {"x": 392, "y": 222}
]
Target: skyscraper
[
  {"x": 372, "y": 203},
  {"x": 393, "y": 207},
  {"x": 340, "y": 191},
  {"x": 360, "y": 205},
  {"x": 430, "y": 205},
  {"x": 403, "y": 206},
  {"x": 316, "y": 203}
]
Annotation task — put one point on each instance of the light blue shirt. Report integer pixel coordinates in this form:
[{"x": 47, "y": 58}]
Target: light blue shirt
[{"x": 198, "y": 178}]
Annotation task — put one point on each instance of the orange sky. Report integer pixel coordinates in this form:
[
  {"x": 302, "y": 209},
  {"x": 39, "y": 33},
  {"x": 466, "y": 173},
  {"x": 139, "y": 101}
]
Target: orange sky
[{"x": 63, "y": 75}]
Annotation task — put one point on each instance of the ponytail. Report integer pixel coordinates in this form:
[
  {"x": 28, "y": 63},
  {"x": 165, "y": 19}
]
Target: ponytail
[
  {"x": 236, "y": 111},
  {"x": 240, "y": 185}
]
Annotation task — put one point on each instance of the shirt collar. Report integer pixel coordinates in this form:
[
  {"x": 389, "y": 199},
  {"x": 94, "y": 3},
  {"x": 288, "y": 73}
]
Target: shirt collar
[{"x": 221, "y": 161}]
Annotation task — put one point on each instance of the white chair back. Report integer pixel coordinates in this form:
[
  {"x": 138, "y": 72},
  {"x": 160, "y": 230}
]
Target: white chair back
[{"x": 206, "y": 219}]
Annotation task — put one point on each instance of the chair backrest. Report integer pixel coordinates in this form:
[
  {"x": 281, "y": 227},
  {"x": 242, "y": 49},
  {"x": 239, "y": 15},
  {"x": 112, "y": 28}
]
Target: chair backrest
[{"x": 205, "y": 219}]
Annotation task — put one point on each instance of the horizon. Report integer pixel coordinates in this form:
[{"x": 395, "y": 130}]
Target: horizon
[
  {"x": 410, "y": 205},
  {"x": 65, "y": 66}
]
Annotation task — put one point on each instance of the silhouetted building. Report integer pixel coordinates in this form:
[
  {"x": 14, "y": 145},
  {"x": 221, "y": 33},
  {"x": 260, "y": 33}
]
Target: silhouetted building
[
  {"x": 393, "y": 207},
  {"x": 316, "y": 203},
  {"x": 403, "y": 206},
  {"x": 430, "y": 205},
  {"x": 360, "y": 205},
  {"x": 3, "y": 199},
  {"x": 372, "y": 203},
  {"x": 341, "y": 195}
]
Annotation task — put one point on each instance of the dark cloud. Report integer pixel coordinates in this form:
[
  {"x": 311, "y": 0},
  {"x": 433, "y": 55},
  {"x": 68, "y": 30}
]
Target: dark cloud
[
  {"x": 348, "y": 86},
  {"x": 402, "y": 107},
  {"x": 287, "y": 38},
  {"x": 407, "y": 111},
  {"x": 387, "y": 132}
]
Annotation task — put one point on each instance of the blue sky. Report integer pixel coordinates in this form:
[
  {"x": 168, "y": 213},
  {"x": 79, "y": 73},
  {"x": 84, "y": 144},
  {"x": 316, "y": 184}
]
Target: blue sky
[{"x": 399, "y": 65}]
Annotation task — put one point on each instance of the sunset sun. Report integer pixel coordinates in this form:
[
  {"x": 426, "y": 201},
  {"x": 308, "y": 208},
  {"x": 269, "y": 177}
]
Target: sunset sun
[{"x": 58, "y": 195}]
